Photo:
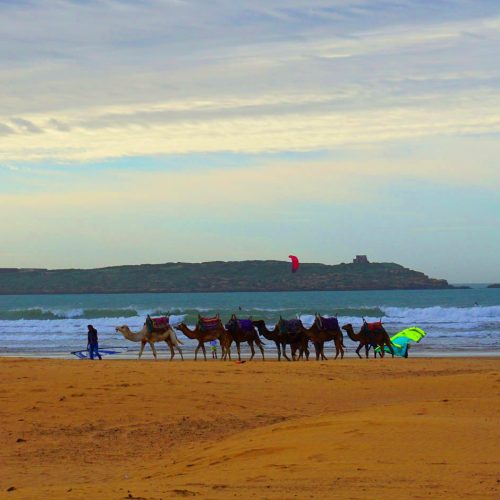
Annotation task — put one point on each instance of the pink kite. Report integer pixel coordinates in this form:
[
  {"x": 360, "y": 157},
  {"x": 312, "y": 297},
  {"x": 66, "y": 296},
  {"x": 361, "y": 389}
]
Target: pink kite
[{"x": 295, "y": 263}]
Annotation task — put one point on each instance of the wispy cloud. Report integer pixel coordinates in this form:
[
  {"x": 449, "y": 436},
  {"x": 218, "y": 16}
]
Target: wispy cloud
[
  {"x": 266, "y": 76},
  {"x": 396, "y": 95}
]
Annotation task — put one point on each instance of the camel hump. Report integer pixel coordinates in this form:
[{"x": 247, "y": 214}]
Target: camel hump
[
  {"x": 158, "y": 324},
  {"x": 328, "y": 323},
  {"x": 206, "y": 324},
  {"x": 374, "y": 327}
]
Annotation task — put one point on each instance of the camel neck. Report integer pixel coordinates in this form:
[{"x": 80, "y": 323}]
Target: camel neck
[
  {"x": 190, "y": 334},
  {"x": 351, "y": 334},
  {"x": 263, "y": 330},
  {"x": 133, "y": 336}
]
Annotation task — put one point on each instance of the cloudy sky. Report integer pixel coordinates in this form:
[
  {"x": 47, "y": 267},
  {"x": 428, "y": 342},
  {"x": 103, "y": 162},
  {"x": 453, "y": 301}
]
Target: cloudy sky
[{"x": 192, "y": 130}]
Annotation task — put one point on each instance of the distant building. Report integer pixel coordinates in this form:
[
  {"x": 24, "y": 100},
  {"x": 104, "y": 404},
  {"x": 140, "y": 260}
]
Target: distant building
[{"x": 360, "y": 259}]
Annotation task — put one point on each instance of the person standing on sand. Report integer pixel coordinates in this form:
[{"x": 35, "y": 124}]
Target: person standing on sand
[
  {"x": 213, "y": 346},
  {"x": 93, "y": 342}
]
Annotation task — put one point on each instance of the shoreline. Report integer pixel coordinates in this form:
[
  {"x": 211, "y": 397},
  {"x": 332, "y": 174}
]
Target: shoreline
[
  {"x": 233, "y": 291},
  {"x": 270, "y": 356},
  {"x": 259, "y": 430}
]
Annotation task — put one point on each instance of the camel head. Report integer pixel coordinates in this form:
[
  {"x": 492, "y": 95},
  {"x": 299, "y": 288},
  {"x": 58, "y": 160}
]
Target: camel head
[
  {"x": 232, "y": 324},
  {"x": 347, "y": 327},
  {"x": 122, "y": 329},
  {"x": 181, "y": 326}
]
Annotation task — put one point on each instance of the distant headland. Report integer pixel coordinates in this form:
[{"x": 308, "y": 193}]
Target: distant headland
[
  {"x": 218, "y": 276},
  {"x": 494, "y": 285}
]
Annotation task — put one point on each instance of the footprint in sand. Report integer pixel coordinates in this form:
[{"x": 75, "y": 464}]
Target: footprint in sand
[
  {"x": 258, "y": 479},
  {"x": 184, "y": 493}
]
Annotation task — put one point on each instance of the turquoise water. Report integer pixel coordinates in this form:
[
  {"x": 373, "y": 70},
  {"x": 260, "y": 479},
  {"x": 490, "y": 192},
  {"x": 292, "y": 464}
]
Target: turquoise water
[{"x": 456, "y": 321}]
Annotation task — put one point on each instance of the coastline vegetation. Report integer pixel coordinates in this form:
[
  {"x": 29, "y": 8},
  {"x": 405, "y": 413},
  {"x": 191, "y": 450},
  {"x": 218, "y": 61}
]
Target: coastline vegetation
[{"x": 218, "y": 276}]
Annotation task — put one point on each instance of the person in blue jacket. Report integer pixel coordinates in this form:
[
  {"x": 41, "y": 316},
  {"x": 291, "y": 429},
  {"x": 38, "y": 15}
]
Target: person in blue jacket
[{"x": 93, "y": 343}]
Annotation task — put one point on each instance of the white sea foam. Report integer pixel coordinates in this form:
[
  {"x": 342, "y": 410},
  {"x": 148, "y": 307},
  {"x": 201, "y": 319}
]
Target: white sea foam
[
  {"x": 60, "y": 327},
  {"x": 448, "y": 315}
]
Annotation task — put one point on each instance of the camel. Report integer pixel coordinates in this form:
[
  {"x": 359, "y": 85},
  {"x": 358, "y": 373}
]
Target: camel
[
  {"x": 298, "y": 342},
  {"x": 240, "y": 335},
  {"x": 365, "y": 337},
  {"x": 144, "y": 336},
  {"x": 318, "y": 334},
  {"x": 225, "y": 339}
]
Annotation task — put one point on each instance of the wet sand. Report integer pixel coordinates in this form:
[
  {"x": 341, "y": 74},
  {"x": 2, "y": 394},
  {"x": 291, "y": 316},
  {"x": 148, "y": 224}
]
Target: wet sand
[{"x": 392, "y": 428}]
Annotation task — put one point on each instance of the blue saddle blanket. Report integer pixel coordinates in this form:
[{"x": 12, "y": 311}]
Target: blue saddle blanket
[{"x": 328, "y": 323}]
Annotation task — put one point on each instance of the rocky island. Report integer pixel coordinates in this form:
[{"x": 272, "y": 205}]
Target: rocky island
[{"x": 237, "y": 276}]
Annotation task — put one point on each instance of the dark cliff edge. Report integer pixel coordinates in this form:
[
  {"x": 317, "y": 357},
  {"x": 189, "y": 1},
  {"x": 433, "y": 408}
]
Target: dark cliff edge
[
  {"x": 494, "y": 285},
  {"x": 239, "y": 276}
]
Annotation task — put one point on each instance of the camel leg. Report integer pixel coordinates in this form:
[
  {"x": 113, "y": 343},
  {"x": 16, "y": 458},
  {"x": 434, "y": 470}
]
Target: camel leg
[
  {"x": 153, "y": 348},
  {"x": 283, "y": 346},
  {"x": 261, "y": 350},
  {"x": 323, "y": 357},
  {"x": 389, "y": 345},
  {"x": 382, "y": 350},
  {"x": 317, "y": 350},
  {"x": 143, "y": 344},
  {"x": 227, "y": 353},
  {"x": 252, "y": 349},
  {"x": 278, "y": 348},
  {"x": 338, "y": 349},
  {"x": 359, "y": 349},
  {"x": 172, "y": 353},
  {"x": 367, "y": 350},
  {"x": 204, "y": 350},
  {"x": 196, "y": 351},
  {"x": 238, "y": 349}
]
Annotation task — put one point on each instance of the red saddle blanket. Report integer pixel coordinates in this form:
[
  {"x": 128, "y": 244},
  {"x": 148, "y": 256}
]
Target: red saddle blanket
[
  {"x": 374, "y": 327},
  {"x": 209, "y": 323},
  {"x": 160, "y": 323}
]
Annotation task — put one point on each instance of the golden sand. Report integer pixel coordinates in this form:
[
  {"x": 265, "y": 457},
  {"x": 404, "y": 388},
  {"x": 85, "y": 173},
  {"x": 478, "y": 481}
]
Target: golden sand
[{"x": 391, "y": 428}]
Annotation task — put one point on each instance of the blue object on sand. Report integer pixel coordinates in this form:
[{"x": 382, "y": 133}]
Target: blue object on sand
[{"x": 106, "y": 351}]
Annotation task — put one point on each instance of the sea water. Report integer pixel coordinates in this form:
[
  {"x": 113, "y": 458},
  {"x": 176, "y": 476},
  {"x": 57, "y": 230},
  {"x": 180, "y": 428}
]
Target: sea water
[{"x": 457, "y": 322}]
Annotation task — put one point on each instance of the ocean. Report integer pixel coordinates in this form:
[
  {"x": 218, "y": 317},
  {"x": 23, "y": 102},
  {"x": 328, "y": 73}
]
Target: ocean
[{"x": 458, "y": 322}]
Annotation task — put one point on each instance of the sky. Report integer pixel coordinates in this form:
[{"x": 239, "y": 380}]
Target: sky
[{"x": 152, "y": 131}]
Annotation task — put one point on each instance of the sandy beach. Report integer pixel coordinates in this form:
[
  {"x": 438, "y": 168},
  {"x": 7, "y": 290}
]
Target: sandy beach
[{"x": 392, "y": 428}]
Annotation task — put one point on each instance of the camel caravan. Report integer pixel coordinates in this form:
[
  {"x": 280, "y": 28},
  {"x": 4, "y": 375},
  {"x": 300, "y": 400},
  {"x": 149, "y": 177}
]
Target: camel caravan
[{"x": 286, "y": 333}]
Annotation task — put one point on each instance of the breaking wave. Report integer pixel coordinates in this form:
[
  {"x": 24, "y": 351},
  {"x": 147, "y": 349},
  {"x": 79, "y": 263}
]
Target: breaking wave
[{"x": 435, "y": 315}]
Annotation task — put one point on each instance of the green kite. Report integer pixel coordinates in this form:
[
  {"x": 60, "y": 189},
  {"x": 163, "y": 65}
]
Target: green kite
[{"x": 401, "y": 340}]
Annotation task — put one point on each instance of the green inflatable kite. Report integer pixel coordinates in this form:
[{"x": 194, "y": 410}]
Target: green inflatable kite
[{"x": 401, "y": 340}]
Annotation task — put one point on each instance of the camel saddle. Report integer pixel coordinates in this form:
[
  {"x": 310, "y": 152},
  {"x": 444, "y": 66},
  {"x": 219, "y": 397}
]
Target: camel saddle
[
  {"x": 328, "y": 323},
  {"x": 245, "y": 325},
  {"x": 207, "y": 324},
  {"x": 289, "y": 325},
  {"x": 373, "y": 327},
  {"x": 159, "y": 324}
]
